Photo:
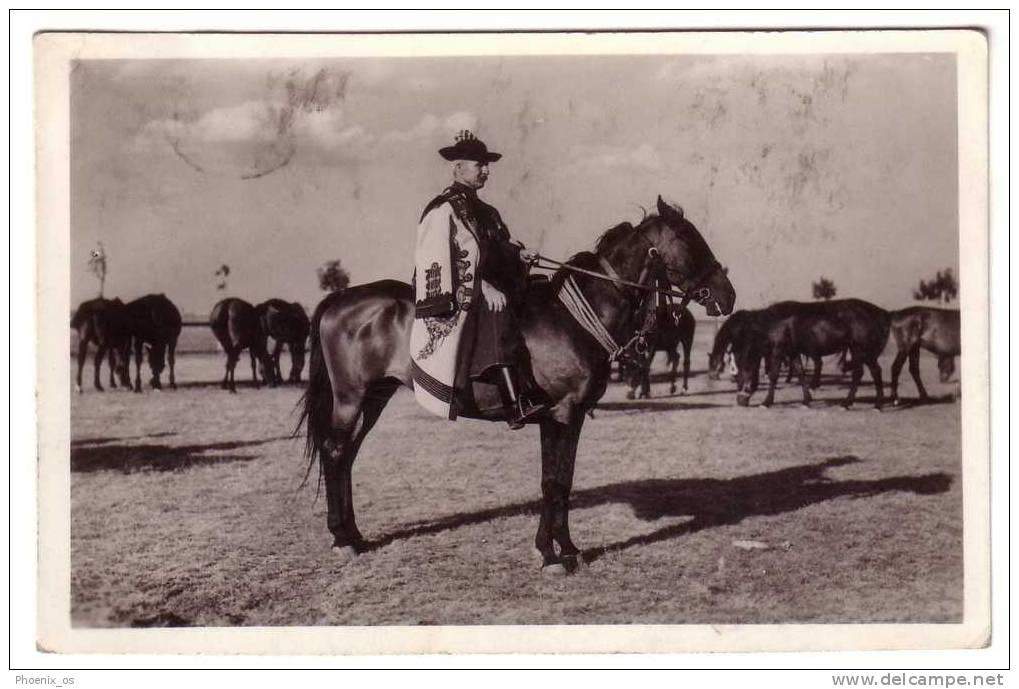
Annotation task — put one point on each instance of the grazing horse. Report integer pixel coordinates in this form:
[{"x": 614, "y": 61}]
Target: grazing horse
[
  {"x": 730, "y": 337},
  {"x": 236, "y": 325},
  {"x": 674, "y": 326},
  {"x": 360, "y": 356},
  {"x": 287, "y": 324},
  {"x": 936, "y": 330},
  {"x": 103, "y": 322},
  {"x": 790, "y": 329},
  {"x": 154, "y": 321}
]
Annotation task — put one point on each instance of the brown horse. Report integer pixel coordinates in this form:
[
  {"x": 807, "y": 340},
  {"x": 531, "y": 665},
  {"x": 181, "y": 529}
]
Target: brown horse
[
  {"x": 360, "y": 356},
  {"x": 103, "y": 322},
  {"x": 674, "y": 327},
  {"x": 730, "y": 338},
  {"x": 155, "y": 323},
  {"x": 924, "y": 327},
  {"x": 788, "y": 330},
  {"x": 236, "y": 325},
  {"x": 287, "y": 324}
]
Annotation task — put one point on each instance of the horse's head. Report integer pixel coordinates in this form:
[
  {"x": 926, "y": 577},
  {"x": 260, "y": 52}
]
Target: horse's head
[
  {"x": 716, "y": 365},
  {"x": 689, "y": 263},
  {"x": 946, "y": 367}
]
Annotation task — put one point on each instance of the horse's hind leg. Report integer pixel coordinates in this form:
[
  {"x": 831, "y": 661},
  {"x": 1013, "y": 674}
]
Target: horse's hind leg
[
  {"x": 111, "y": 358},
  {"x": 875, "y": 373},
  {"x": 816, "y": 382},
  {"x": 352, "y": 421},
  {"x": 673, "y": 365},
  {"x": 801, "y": 372},
  {"x": 82, "y": 354},
  {"x": 900, "y": 359},
  {"x": 558, "y": 458},
  {"x": 854, "y": 383},
  {"x": 232, "y": 357},
  {"x": 171, "y": 359},
  {"x": 914, "y": 371},
  {"x": 98, "y": 365}
]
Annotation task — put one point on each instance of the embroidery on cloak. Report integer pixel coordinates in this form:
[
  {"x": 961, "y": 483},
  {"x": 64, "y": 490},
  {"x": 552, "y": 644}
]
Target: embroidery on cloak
[{"x": 440, "y": 327}]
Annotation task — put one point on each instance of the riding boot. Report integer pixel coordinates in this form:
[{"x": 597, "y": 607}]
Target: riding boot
[{"x": 519, "y": 407}]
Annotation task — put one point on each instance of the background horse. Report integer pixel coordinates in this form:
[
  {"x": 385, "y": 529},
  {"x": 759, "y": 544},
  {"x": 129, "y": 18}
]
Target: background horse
[
  {"x": 731, "y": 337},
  {"x": 674, "y": 326},
  {"x": 936, "y": 330},
  {"x": 287, "y": 324},
  {"x": 790, "y": 329},
  {"x": 103, "y": 322},
  {"x": 360, "y": 356},
  {"x": 155, "y": 322},
  {"x": 236, "y": 325}
]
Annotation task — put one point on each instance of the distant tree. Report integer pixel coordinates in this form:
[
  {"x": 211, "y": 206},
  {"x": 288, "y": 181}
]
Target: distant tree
[
  {"x": 332, "y": 277},
  {"x": 223, "y": 272},
  {"x": 943, "y": 288},
  {"x": 97, "y": 265},
  {"x": 824, "y": 289}
]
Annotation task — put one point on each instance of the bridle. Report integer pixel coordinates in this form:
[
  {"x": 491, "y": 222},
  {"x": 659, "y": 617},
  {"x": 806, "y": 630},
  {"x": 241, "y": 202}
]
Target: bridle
[{"x": 652, "y": 284}]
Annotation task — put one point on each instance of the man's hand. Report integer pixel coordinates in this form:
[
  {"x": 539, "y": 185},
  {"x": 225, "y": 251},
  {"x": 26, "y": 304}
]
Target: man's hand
[
  {"x": 496, "y": 299},
  {"x": 529, "y": 256}
]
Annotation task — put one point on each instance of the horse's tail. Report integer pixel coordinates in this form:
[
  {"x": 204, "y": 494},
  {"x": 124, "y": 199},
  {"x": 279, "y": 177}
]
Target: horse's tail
[{"x": 317, "y": 402}]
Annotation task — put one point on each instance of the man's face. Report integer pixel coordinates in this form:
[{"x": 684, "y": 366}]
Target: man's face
[{"x": 470, "y": 173}]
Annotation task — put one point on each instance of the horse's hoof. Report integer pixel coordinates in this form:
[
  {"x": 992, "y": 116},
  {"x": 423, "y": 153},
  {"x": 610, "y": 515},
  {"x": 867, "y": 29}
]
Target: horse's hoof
[
  {"x": 877, "y": 409},
  {"x": 78, "y": 390},
  {"x": 554, "y": 570},
  {"x": 845, "y": 407},
  {"x": 344, "y": 554},
  {"x": 804, "y": 405}
]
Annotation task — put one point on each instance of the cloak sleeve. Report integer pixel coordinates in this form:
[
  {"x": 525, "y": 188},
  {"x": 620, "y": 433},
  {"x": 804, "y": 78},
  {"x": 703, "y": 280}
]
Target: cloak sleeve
[
  {"x": 501, "y": 265},
  {"x": 434, "y": 288}
]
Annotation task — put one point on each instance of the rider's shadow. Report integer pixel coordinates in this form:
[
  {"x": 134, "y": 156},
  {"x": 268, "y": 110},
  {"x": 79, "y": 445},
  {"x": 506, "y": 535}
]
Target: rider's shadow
[{"x": 706, "y": 502}]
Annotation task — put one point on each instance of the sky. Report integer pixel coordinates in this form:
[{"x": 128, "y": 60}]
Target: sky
[{"x": 792, "y": 167}]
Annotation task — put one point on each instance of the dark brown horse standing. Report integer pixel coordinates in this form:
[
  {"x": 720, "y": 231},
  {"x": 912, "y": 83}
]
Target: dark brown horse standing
[
  {"x": 155, "y": 322},
  {"x": 924, "y": 327},
  {"x": 674, "y": 328},
  {"x": 236, "y": 325},
  {"x": 360, "y": 356},
  {"x": 788, "y": 330},
  {"x": 287, "y": 324},
  {"x": 104, "y": 323}
]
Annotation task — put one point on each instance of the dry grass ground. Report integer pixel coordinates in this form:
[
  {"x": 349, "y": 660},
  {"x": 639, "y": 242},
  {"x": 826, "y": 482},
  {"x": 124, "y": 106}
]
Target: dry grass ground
[{"x": 186, "y": 509}]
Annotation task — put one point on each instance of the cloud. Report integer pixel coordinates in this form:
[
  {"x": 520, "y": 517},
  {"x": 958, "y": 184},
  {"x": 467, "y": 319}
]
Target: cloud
[
  {"x": 644, "y": 157},
  {"x": 430, "y": 127}
]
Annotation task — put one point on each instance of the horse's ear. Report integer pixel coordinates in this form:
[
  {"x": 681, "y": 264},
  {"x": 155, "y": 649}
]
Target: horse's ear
[{"x": 666, "y": 210}]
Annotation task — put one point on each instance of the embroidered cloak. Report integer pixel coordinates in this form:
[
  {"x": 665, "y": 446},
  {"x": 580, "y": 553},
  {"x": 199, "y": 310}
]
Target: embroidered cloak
[{"x": 456, "y": 337}]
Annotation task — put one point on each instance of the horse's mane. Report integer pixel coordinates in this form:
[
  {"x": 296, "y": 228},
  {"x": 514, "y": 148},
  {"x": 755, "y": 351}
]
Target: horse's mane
[{"x": 588, "y": 259}]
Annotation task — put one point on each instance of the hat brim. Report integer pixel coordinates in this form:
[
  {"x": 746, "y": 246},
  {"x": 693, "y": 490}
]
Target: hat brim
[{"x": 451, "y": 153}]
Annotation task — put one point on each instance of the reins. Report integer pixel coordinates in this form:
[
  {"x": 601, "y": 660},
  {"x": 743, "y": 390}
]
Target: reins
[{"x": 555, "y": 265}]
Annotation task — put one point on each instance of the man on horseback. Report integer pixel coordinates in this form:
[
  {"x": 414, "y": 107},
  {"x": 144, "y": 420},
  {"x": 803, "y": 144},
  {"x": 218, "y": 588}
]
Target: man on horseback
[{"x": 463, "y": 247}]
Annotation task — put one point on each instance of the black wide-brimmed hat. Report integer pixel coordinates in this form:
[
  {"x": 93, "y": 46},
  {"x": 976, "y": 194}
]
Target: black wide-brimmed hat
[{"x": 469, "y": 147}]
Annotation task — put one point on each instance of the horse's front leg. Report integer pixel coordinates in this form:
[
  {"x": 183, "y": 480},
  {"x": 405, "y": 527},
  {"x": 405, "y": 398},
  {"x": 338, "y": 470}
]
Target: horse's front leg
[
  {"x": 686, "y": 363},
  {"x": 97, "y": 365},
  {"x": 772, "y": 362},
  {"x": 559, "y": 439}
]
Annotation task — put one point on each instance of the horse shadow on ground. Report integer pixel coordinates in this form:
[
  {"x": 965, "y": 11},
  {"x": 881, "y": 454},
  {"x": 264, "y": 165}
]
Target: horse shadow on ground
[
  {"x": 87, "y": 456},
  {"x": 707, "y": 502},
  {"x": 83, "y": 442}
]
